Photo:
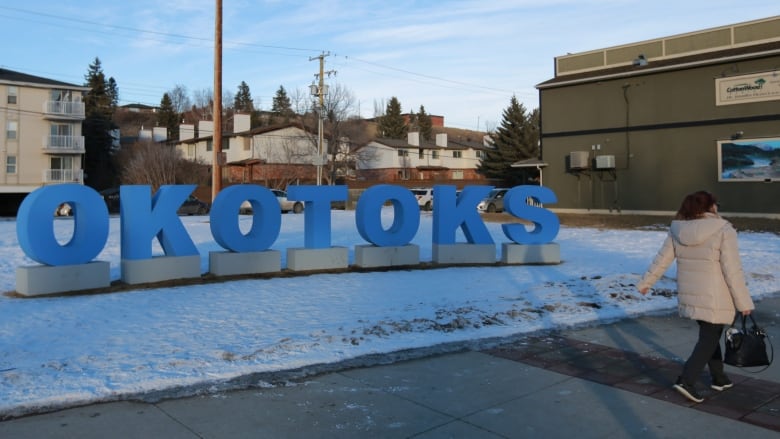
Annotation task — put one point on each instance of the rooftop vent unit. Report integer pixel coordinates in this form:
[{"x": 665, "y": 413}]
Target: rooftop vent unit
[
  {"x": 579, "y": 160},
  {"x": 605, "y": 162}
]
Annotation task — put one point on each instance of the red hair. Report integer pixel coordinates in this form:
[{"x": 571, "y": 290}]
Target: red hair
[{"x": 695, "y": 205}]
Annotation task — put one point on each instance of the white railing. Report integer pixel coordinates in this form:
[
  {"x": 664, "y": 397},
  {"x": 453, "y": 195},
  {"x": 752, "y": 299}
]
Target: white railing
[
  {"x": 64, "y": 108},
  {"x": 63, "y": 176},
  {"x": 74, "y": 144}
]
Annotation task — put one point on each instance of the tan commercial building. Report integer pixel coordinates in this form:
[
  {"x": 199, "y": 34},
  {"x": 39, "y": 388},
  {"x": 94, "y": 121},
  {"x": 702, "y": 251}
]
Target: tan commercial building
[
  {"x": 40, "y": 138},
  {"x": 633, "y": 128}
]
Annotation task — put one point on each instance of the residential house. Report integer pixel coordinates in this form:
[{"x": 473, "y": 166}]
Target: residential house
[
  {"x": 274, "y": 156},
  {"x": 416, "y": 161},
  {"x": 41, "y": 141}
]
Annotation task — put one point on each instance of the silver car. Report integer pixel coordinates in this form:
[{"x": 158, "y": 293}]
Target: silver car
[{"x": 494, "y": 201}]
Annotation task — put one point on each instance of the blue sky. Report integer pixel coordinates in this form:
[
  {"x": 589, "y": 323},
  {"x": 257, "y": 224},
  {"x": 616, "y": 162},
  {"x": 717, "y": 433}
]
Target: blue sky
[{"x": 460, "y": 59}]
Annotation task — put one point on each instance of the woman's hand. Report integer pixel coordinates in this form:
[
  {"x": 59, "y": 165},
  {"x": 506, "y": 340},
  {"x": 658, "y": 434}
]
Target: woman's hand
[
  {"x": 746, "y": 312},
  {"x": 644, "y": 290}
]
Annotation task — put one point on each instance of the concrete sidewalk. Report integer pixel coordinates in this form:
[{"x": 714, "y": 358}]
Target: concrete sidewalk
[{"x": 606, "y": 381}]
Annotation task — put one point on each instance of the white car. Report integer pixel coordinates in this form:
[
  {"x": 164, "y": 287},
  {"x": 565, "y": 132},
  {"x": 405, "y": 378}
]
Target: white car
[
  {"x": 285, "y": 204},
  {"x": 424, "y": 196}
]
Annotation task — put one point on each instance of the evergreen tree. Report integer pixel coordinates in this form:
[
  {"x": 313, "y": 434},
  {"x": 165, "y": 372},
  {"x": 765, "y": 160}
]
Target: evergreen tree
[
  {"x": 281, "y": 105},
  {"x": 99, "y": 98},
  {"x": 243, "y": 102},
  {"x": 168, "y": 117},
  {"x": 99, "y": 104},
  {"x": 425, "y": 124},
  {"x": 392, "y": 124},
  {"x": 516, "y": 139}
]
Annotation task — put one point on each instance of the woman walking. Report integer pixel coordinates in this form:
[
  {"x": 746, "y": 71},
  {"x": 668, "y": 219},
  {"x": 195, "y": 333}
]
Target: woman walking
[{"x": 710, "y": 284}]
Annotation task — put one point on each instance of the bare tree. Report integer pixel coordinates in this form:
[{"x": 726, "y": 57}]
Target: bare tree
[
  {"x": 158, "y": 164},
  {"x": 203, "y": 101},
  {"x": 340, "y": 106},
  {"x": 180, "y": 98},
  {"x": 300, "y": 101},
  {"x": 379, "y": 107}
]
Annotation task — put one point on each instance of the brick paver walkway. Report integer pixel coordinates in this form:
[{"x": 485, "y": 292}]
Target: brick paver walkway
[{"x": 751, "y": 400}]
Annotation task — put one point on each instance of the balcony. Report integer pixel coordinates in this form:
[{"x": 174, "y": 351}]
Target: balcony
[
  {"x": 64, "y": 109},
  {"x": 63, "y": 176},
  {"x": 63, "y": 144}
]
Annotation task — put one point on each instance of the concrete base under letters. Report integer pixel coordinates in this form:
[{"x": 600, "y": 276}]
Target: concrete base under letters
[
  {"x": 374, "y": 256},
  {"x": 160, "y": 268},
  {"x": 464, "y": 253},
  {"x": 227, "y": 263},
  {"x": 305, "y": 259},
  {"x": 36, "y": 280},
  {"x": 549, "y": 253}
]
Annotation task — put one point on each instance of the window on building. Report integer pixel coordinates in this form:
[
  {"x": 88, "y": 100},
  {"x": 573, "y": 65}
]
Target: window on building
[
  {"x": 434, "y": 154},
  {"x": 457, "y": 154},
  {"x": 480, "y": 154},
  {"x": 61, "y": 95},
  {"x": 209, "y": 145},
  {"x": 225, "y": 144},
  {"x": 420, "y": 153},
  {"x": 13, "y": 93},
  {"x": 61, "y": 168},
  {"x": 457, "y": 175},
  {"x": 403, "y": 153},
  {"x": 10, "y": 164},
  {"x": 11, "y": 128}
]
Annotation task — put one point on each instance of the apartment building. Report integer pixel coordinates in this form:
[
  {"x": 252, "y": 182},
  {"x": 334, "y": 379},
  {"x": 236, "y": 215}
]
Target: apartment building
[
  {"x": 40, "y": 138},
  {"x": 274, "y": 156},
  {"x": 440, "y": 161}
]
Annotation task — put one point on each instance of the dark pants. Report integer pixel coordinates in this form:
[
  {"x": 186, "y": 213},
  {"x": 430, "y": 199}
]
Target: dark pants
[{"x": 706, "y": 352}]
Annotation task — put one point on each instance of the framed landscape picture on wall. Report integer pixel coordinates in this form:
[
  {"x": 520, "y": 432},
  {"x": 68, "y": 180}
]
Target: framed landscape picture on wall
[{"x": 749, "y": 160}]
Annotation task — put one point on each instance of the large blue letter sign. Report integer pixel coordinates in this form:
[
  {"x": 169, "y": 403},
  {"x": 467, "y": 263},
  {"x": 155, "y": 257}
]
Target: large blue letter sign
[
  {"x": 143, "y": 218},
  {"x": 316, "y": 211},
  {"x": 406, "y": 215},
  {"x": 451, "y": 212},
  {"x": 266, "y": 218},
  {"x": 546, "y": 223},
  {"x": 35, "y": 225}
]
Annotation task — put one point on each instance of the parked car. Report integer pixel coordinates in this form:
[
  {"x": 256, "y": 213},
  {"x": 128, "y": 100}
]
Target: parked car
[
  {"x": 111, "y": 197},
  {"x": 494, "y": 201},
  {"x": 284, "y": 204},
  {"x": 63, "y": 209},
  {"x": 193, "y": 206},
  {"x": 424, "y": 196}
]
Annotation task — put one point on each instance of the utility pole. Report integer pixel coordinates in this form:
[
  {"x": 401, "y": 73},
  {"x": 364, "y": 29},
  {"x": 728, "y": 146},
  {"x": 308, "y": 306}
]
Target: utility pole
[
  {"x": 216, "y": 166},
  {"x": 320, "y": 91}
]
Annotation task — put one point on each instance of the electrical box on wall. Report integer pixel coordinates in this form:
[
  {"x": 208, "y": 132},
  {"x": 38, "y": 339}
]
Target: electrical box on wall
[
  {"x": 605, "y": 162},
  {"x": 579, "y": 160}
]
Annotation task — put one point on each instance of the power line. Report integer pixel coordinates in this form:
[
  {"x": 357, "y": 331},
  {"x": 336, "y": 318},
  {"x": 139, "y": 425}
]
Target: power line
[
  {"x": 422, "y": 75},
  {"x": 152, "y": 32}
]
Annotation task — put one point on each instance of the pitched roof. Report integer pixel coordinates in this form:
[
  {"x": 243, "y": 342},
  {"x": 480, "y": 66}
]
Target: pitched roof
[
  {"x": 429, "y": 144},
  {"x": 12, "y": 76}
]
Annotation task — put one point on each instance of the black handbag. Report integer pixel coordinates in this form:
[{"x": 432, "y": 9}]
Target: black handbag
[{"x": 747, "y": 347}]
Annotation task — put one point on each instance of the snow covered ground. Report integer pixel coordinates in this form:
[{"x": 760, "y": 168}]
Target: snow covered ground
[{"x": 56, "y": 352}]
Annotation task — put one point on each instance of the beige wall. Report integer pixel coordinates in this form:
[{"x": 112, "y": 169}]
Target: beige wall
[{"x": 34, "y": 147}]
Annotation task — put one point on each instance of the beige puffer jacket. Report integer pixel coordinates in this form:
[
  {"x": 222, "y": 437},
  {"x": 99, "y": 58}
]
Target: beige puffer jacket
[{"x": 710, "y": 283}]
